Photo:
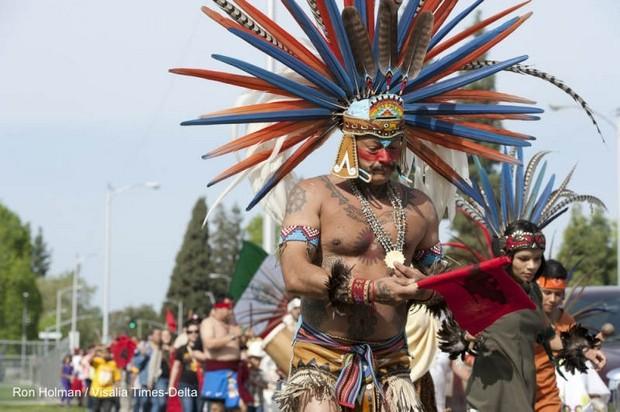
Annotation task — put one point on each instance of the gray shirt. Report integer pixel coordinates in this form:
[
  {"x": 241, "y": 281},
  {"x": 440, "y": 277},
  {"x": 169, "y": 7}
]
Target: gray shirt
[{"x": 504, "y": 376}]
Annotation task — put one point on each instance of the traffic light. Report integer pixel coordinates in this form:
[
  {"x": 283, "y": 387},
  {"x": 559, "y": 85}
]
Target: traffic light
[{"x": 132, "y": 324}]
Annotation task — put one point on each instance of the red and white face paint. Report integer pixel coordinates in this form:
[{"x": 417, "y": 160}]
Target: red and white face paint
[{"x": 374, "y": 151}]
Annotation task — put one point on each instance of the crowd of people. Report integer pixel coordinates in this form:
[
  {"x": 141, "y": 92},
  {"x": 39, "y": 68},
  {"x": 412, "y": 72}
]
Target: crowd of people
[{"x": 211, "y": 365}]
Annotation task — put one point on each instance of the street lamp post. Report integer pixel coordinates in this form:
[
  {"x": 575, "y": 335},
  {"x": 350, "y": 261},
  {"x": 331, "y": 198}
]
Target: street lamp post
[
  {"x": 616, "y": 126},
  {"x": 59, "y": 293},
  {"x": 74, "y": 341},
  {"x": 25, "y": 296},
  {"x": 110, "y": 192}
]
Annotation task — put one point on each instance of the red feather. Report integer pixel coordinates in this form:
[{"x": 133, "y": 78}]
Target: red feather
[
  {"x": 442, "y": 13},
  {"x": 261, "y": 156},
  {"x": 329, "y": 26},
  {"x": 431, "y": 158},
  {"x": 249, "y": 82},
  {"x": 478, "y": 95},
  {"x": 284, "y": 37},
  {"x": 264, "y": 134},
  {"x": 263, "y": 107},
  {"x": 468, "y": 32},
  {"x": 487, "y": 117},
  {"x": 483, "y": 126},
  {"x": 309, "y": 146},
  {"x": 464, "y": 145},
  {"x": 477, "y": 53},
  {"x": 370, "y": 19}
]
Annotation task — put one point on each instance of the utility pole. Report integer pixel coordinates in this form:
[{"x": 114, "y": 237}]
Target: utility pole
[
  {"x": 25, "y": 296},
  {"x": 74, "y": 336}
]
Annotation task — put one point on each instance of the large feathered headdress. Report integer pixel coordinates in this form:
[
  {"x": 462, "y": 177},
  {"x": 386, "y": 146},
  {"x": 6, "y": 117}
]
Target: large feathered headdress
[
  {"x": 523, "y": 195},
  {"x": 399, "y": 73}
]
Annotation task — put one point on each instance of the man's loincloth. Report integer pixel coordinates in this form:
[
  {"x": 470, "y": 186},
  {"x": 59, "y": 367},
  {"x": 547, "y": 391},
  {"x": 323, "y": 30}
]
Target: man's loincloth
[
  {"x": 362, "y": 376},
  {"x": 220, "y": 382}
]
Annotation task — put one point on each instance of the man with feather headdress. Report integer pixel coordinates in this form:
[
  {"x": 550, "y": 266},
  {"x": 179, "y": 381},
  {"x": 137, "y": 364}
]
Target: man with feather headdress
[{"x": 395, "y": 90}]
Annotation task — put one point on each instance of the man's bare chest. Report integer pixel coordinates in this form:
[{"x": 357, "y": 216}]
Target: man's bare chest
[{"x": 345, "y": 231}]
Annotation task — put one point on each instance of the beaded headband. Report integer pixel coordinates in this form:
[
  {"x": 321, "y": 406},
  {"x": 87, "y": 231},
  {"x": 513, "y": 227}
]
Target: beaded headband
[{"x": 521, "y": 240}]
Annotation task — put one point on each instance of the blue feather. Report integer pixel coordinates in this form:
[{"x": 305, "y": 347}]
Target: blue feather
[
  {"x": 468, "y": 189},
  {"x": 303, "y": 91},
  {"x": 531, "y": 197},
  {"x": 544, "y": 198},
  {"x": 406, "y": 19},
  {"x": 279, "y": 116},
  {"x": 519, "y": 183},
  {"x": 451, "y": 24},
  {"x": 269, "y": 184},
  {"x": 460, "y": 81},
  {"x": 447, "y": 61},
  {"x": 463, "y": 131},
  {"x": 504, "y": 190},
  {"x": 291, "y": 62},
  {"x": 343, "y": 42},
  {"x": 434, "y": 109},
  {"x": 488, "y": 191},
  {"x": 321, "y": 46},
  {"x": 482, "y": 202}
]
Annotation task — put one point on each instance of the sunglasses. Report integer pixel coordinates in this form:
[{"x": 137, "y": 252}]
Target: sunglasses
[{"x": 192, "y": 332}]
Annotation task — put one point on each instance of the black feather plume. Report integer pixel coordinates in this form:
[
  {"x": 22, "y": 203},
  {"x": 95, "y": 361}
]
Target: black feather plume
[{"x": 574, "y": 342}]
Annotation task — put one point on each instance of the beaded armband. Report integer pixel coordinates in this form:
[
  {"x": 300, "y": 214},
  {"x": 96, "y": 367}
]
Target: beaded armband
[
  {"x": 428, "y": 257},
  {"x": 300, "y": 233}
]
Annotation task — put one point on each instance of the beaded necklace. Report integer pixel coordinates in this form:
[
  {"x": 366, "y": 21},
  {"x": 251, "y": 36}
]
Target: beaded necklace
[{"x": 393, "y": 252}]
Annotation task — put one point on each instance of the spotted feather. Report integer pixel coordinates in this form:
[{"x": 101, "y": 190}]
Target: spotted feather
[{"x": 529, "y": 71}]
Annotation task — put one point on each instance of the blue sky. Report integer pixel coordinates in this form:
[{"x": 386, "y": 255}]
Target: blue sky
[{"x": 86, "y": 100}]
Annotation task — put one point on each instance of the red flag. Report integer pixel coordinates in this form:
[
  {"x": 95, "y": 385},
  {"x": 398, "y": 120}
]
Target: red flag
[
  {"x": 479, "y": 294},
  {"x": 171, "y": 323},
  {"x": 122, "y": 350}
]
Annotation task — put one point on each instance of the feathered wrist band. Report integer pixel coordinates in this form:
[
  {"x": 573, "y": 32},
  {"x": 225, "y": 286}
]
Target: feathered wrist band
[
  {"x": 574, "y": 343},
  {"x": 344, "y": 289}
]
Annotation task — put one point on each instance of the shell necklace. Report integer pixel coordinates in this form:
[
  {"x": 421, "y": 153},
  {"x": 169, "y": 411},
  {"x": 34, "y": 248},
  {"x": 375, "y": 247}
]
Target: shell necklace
[{"x": 393, "y": 252}]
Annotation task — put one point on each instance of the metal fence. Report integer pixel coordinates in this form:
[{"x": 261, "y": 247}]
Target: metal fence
[{"x": 33, "y": 363}]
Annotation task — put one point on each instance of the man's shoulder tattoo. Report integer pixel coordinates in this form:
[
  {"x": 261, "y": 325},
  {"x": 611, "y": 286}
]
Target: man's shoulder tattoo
[
  {"x": 350, "y": 210},
  {"x": 296, "y": 200}
]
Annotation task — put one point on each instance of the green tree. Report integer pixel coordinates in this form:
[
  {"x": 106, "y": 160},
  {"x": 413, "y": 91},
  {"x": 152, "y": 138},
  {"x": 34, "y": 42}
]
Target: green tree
[
  {"x": 225, "y": 240},
  {"x": 41, "y": 256},
  {"x": 89, "y": 316},
  {"x": 254, "y": 230},
  {"x": 18, "y": 289},
  {"x": 190, "y": 279},
  {"x": 589, "y": 243}
]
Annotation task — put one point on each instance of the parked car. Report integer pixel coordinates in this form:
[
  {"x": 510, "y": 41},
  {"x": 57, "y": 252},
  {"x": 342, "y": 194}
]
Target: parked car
[{"x": 594, "y": 307}]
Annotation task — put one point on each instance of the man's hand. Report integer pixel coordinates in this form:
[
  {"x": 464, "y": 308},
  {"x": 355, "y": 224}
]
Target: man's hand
[
  {"x": 235, "y": 331},
  {"x": 394, "y": 290},
  {"x": 597, "y": 357},
  {"x": 408, "y": 272}
]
